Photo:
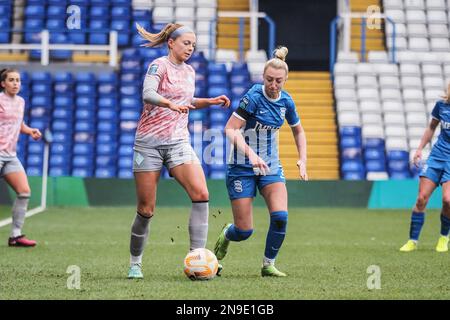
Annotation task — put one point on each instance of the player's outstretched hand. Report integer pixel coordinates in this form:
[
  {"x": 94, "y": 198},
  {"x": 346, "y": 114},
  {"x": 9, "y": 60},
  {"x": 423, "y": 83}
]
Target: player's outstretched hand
[
  {"x": 417, "y": 157},
  {"x": 35, "y": 134},
  {"x": 222, "y": 100},
  {"x": 302, "y": 168},
  {"x": 181, "y": 109}
]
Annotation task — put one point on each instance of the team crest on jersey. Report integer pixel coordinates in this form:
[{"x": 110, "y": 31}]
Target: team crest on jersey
[
  {"x": 238, "y": 186},
  {"x": 283, "y": 112},
  {"x": 244, "y": 103},
  {"x": 152, "y": 70}
]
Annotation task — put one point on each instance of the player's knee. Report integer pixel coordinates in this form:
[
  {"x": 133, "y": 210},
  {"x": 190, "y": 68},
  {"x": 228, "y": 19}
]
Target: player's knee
[
  {"x": 422, "y": 201},
  {"x": 243, "y": 234},
  {"x": 146, "y": 210},
  {"x": 278, "y": 220},
  {"x": 200, "y": 195},
  {"x": 446, "y": 201}
]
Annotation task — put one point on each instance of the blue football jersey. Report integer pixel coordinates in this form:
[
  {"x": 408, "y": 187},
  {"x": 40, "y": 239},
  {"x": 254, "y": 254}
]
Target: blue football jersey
[
  {"x": 264, "y": 117},
  {"x": 441, "y": 149}
]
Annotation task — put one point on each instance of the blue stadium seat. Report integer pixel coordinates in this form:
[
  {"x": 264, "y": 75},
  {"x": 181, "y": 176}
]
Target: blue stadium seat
[
  {"x": 350, "y": 131},
  {"x": 85, "y": 126},
  {"x": 107, "y": 103},
  {"x": 240, "y": 79},
  {"x": 106, "y": 138},
  {"x": 130, "y": 103},
  {"x": 218, "y": 79},
  {"x": 125, "y": 174},
  {"x": 351, "y": 154},
  {"x": 40, "y": 124},
  {"x": 76, "y": 37},
  {"x": 81, "y": 161},
  {"x": 84, "y": 89},
  {"x": 63, "y": 102},
  {"x": 64, "y": 89},
  {"x": 129, "y": 115},
  {"x": 36, "y": 147},
  {"x": 238, "y": 91},
  {"x": 350, "y": 142},
  {"x": 398, "y": 155},
  {"x": 105, "y": 160},
  {"x": 127, "y": 138},
  {"x": 61, "y": 148},
  {"x": 55, "y": 24},
  {"x": 84, "y": 137},
  {"x": 60, "y": 38},
  {"x": 217, "y": 68},
  {"x": 41, "y": 77},
  {"x": 352, "y": 165},
  {"x": 35, "y": 11},
  {"x": 354, "y": 175},
  {"x": 107, "y": 172},
  {"x": 374, "y": 143},
  {"x": 125, "y": 163},
  {"x": 34, "y": 171},
  {"x": 85, "y": 102},
  {"x": 107, "y": 127},
  {"x": 35, "y": 160},
  {"x": 63, "y": 76},
  {"x": 214, "y": 91},
  {"x": 130, "y": 91},
  {"x": 41, "y": 89},
  {"x": 107, "y": 90},
  {"x": 218, "y": 116},
  {"x": 59, "y": 160},
  {"x": 82, "y": 172},
  {"x": 41, "y": 101},
  {"x": 32, "y": 24},
  {"x": 120, "y": 12},
  {"x": 85, "y": 77},
  {"x": 149, "y": 54},
  {"x": 40, "y": 112},
  {"x": 98, "y": 24},
  {"x": 62, "y": 125},
  {"x": 85, "y": 114},
  {"x": 125, "y": 150},
  {"x": 99, "y": 12},
  {"x": 98, "y": 38},
  {"x": 374, "y": 154},
  {"x": 107, "y": 78},
  {"x": 398, "y": 165},
  {"x": 106, "y": 149},
  {"x": 239, "y": 68},
  {"x": 61, "y": 136},
  {"x": 59, "y": 171},
  {"x": 375, "y": 165},
  {"x": 56, "y": 11},
  {"x": 107, "y": 114}
]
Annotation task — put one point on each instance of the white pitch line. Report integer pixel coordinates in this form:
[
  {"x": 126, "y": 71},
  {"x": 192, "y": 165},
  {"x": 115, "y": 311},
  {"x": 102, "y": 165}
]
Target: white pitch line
[{"x": 30, "y": 213}]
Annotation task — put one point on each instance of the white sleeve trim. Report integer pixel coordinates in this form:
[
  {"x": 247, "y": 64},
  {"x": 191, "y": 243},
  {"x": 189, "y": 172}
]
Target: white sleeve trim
[
  {"x": 295, "y": 124},
  {"x": 238, "y": 116}
]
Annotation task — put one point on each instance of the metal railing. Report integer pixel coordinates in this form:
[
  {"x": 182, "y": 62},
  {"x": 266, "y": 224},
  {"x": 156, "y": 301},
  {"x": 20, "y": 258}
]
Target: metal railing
[
  {"x": 242, "y": 15},
  {"x": 344, "y": 21},
  {"x": 45, "y": 46}
]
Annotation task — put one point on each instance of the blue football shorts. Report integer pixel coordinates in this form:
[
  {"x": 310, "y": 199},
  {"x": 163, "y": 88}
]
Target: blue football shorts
[
  {"x": 437, "y": 171},
  {"x": 245, "y": 186}
]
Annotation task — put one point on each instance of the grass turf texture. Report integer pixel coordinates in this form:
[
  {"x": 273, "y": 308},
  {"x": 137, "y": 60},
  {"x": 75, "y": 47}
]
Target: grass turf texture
[{"x": 326, "y": 255}]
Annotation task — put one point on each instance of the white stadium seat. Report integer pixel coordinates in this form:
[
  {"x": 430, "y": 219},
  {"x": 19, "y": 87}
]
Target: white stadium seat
[
  {"x": 409, "y": 82},
  {"x": 370, "y": 106},
  {"x": 372, "y": 131},
  {"x": 394, "y": 118},
  {"x": 349, "y": 119},
  {"x": 435, "y": 5},
  {"x": 396, "y": 143},
  {"x": 414, "y": 4},
  {"x": 392, "y": 106},
  {"x": 415, "y": 16},
  {"x": 395, "y": 131},
  {"x": 364, "y": 81},
  {"x": 389, "y": 82}
]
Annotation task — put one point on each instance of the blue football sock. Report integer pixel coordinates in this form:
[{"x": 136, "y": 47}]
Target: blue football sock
[
  {"x": 445, "y": 225},
  {"x": 276, "y": 234},
  {"x": 417, "y": 220},
  {"x": 235, "y": 234}
]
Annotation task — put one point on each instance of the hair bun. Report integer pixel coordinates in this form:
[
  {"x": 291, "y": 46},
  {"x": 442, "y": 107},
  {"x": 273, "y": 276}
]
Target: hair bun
[{"x": 280, "y": 53}]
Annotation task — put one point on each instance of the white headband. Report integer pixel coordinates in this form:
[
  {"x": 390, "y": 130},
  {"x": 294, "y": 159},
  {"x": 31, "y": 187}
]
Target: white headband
[{"x": 181, "y": 30}]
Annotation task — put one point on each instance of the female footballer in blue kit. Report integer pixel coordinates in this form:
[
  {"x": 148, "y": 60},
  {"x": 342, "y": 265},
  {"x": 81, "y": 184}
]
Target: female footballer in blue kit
[
  {"x": 255, "y": 162},
  {"x": 436, "y": 171}
]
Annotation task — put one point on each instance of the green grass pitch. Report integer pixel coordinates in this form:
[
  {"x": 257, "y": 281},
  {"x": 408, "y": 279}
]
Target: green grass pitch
[{"x": 326, "y": 255}]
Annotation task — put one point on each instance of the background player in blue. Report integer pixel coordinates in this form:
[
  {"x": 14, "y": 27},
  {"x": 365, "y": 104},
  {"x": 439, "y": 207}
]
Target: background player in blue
[
  {"x": 436, "y": 171},
  {"x": 252, "y": 131}
]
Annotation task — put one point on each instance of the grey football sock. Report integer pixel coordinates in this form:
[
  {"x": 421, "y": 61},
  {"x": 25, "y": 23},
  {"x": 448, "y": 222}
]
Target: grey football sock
[
  {"x": 198, "y": 224},
  {"x": 139, "y": 235},
  {"x": 18, "y": 213}
]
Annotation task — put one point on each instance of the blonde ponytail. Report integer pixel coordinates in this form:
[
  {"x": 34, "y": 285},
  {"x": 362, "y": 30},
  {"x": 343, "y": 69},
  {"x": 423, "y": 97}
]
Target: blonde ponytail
[
  {"x": 278, "y": 60},
  {"x": 157, "y": 39}
]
